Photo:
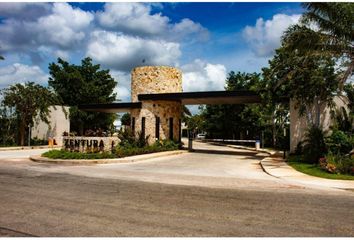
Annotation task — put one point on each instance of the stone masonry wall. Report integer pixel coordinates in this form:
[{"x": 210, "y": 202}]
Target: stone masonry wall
[
  {"x": 156, "y": 80},
  {"x": 162, "y": 109},
  {"x": 59, "y": 123}
]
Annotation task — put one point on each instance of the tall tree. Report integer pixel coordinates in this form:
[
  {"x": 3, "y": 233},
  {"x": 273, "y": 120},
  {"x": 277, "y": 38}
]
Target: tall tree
[
  {"x": 7, "y": 125},
  {"x": 29, "y": 101},
  {"x": 83, "y": 84},
  {"x": 233, "y": 121},
  {"x": 308, "y": 79},
  {"x": 326, "y": 28}
]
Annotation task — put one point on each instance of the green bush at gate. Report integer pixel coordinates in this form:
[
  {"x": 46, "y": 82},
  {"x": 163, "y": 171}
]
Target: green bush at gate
[
  {"x": 129, "y": 146},
  {"x": 328, "y": 156}
]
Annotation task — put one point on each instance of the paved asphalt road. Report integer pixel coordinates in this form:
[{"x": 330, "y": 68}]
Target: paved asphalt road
[{"x": 50, "y": 200}]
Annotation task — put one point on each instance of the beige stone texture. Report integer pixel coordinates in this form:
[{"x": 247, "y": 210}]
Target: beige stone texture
[
  {"x": 163, "y": 109},
  {"x": 153, "y": 79},
  {"x": 59, "y": 123},
  {"x": 298, "y": 125}
]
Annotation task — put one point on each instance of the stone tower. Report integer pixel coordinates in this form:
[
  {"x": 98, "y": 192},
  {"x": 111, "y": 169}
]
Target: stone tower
[{"x": 156, "y": 119}]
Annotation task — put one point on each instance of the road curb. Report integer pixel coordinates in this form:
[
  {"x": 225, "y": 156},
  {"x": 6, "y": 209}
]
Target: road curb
[
  {"x": 28, "y": 148},
  {"x": 130, "y": 159},
  {"x": 282, "y": 170}
]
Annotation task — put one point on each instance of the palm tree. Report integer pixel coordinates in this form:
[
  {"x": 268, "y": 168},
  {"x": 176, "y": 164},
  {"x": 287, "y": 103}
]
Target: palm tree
[{"x": 326, "y": 28}]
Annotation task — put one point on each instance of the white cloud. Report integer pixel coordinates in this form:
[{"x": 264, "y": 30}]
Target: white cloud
[
  {"x": 136, "y": 19},
  {"x": 121, "y": 37},
  {"x": 133, "y": 18},
  {"x": 123, "y": 86},
  {"x": 65, "y": 27},
  {"x": 188, "y": 28},
  {"x": 202, "y": 76},
  {"x": 24, "y": 10},
  {"x": 123, "y": 52},
  {"x": 20, "y": 73},
  {"x": 265, "y": 36},
  {"x": 134, "y": 34}
]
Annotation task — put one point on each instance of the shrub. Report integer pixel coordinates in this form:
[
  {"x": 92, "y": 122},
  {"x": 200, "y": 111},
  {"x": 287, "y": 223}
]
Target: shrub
[
  {"x": 299, "y": 148},
  {"x": 142, "y": 140},
  {"x": 166, "y": 144},
  {"x": 336, "y": 163},
  {"x": 345, "y": 165},
  {"x": 130, "y": 150},
  {"x": 126, "y": 138},
  {"x": 314, "y": 144},
  {"x": 63, "y": 154},
  {"x": 37, "y": 142},
  {"x": 339, "y": 142}
]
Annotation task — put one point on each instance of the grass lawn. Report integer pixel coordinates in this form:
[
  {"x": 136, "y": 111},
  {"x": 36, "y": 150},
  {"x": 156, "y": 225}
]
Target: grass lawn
[{"x": 314, "y": 170}]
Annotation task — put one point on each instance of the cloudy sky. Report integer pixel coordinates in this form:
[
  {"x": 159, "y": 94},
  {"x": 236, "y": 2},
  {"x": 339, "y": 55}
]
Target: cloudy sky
[{"x": 205, "y": 40}]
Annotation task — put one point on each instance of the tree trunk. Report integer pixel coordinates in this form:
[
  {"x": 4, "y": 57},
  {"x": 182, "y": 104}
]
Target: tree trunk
[
  {"x": 81, "y": 129},
  {"x": 318, "y": 113},
  {"x": 22, "y": 133},
  {"x": 274, "y": 139}
]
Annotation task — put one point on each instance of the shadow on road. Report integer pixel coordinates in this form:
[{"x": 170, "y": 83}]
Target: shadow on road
[{"x": 226, "y": 152}]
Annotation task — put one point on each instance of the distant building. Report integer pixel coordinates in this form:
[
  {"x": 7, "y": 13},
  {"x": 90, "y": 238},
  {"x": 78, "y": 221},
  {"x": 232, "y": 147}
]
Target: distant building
[
  {"x": 59, "y": 123},
  {"x": 298, "y": 125}
]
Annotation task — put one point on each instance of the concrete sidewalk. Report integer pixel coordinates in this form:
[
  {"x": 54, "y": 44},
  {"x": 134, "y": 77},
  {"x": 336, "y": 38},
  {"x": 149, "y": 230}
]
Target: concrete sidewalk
[{"x": 277, "y": 167}]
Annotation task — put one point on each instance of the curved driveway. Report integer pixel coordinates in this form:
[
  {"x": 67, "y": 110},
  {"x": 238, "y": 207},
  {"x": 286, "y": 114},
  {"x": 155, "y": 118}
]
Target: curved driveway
[
  {"x": 208, "y": 166},
  {"x": 40, "y": 199}
]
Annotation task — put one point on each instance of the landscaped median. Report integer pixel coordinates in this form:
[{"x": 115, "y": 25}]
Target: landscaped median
[
  {"x": 85, "y": 161},
  {"x": 126, "y": 152}
]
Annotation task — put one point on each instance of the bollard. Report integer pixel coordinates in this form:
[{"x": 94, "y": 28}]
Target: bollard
[
  {"x": 257, "y": 145},
  {"x": 190, "y": 144},
  {"x": 50, "y": 142}
]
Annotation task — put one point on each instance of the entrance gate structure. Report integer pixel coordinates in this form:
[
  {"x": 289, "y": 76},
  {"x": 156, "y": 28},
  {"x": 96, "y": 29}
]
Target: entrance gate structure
[{"x": 157, "y": 100}]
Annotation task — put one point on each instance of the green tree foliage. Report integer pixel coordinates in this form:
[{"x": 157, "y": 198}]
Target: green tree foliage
[
  {"x": 344, "y": 121},
  {"x": 83, "y": 84},
  {"x": 235, "y": 121},
  {"x": 125, "y": 119},
  {"x": 28, "y": 101},
  {"x": 349, "y": 90},
  {"x": 196, "y": 124},
  {"x": 332, "y": 35},
  {"x": 8, "y": 123},
  {"x": 339, "y": 142},
  {"x": 314, "y": 144},
  {"x": 310, "y": 80}
]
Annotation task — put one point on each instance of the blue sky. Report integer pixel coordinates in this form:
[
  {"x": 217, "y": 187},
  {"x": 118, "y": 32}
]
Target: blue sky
[{"x": 205, "y": 40}]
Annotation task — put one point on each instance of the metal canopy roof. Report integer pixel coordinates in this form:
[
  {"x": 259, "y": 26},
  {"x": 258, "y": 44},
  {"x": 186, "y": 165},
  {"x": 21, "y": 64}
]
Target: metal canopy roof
[
  {"x": 110, "y": 107},
  {"x": 213, "y": 97},
  {"x": 186, "y": 98}
]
